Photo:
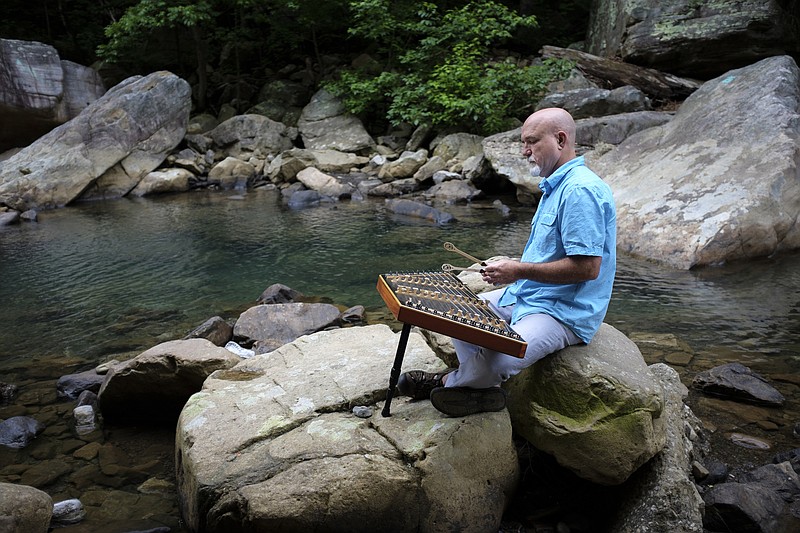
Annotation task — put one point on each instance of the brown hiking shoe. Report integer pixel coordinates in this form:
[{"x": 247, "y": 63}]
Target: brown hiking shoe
[{"x": 418, "y": 384}]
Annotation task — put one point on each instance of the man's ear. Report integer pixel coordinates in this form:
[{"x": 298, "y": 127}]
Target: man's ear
[{"x": 561, "y": 138}]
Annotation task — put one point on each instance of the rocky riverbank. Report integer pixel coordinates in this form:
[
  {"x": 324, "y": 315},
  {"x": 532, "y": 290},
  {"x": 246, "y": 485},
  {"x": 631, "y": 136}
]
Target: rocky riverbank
[{"x": 123, "y": 465}]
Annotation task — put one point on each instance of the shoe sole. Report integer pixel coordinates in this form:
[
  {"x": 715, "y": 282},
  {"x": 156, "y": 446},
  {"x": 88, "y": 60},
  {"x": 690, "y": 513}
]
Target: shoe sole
[{"x": 463, "y": 401}]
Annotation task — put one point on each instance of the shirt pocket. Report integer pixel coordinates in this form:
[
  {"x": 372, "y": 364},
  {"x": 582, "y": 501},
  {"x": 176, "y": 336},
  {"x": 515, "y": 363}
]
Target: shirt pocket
[{"x": 546, "y": 238}]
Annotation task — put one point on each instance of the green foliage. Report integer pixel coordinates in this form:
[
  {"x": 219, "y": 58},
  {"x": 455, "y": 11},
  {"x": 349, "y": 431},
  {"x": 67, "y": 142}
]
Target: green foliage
[
  {"x": 133, "y": 28},
  {"x": 445, "y": 74}
]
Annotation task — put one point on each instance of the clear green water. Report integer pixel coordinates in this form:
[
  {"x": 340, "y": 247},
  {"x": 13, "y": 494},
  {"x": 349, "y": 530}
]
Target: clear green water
[{"x": 105, "y": 279}]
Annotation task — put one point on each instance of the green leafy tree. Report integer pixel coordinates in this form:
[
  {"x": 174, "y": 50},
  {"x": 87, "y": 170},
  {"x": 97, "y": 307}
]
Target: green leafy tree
[
  {"x": 438, "y": 65},
  {"x": 229, "y": 41}
]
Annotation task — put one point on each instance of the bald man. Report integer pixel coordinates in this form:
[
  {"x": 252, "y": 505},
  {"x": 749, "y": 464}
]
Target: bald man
[{"x": 557, "y": 293}]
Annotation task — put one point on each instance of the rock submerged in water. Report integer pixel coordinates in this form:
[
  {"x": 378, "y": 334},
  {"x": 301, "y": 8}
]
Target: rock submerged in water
[
  {"x": 410, "y": 208},
  {"x": 737, "y": 382}
]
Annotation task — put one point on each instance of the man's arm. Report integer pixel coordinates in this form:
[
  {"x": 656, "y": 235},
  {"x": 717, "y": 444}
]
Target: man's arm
[{"x": 571, "y": 269}]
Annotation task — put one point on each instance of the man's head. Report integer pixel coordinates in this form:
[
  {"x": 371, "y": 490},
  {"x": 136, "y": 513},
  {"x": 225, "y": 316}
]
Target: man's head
[{"x": 548, "y": 140}]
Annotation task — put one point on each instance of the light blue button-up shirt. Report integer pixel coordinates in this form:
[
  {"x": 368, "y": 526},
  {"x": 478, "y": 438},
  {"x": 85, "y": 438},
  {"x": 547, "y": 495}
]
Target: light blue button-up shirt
[{"x": 576, "y": 216}]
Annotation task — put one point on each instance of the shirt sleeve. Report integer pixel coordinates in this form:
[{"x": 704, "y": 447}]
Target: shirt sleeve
[{"x": 583, "y": 221}]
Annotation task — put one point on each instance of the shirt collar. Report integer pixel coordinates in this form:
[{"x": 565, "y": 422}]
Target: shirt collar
[{"x": 549, "y": 183}]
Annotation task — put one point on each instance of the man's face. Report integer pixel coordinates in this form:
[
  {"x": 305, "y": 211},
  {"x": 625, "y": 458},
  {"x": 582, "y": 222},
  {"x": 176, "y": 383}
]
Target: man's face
[{"x": 540, "y": 147}]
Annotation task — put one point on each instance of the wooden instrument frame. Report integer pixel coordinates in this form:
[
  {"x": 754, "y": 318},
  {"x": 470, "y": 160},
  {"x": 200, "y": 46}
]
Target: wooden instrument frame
[
  {"x": 459, "y": 330},
  {"x": 440, "y": 324}
]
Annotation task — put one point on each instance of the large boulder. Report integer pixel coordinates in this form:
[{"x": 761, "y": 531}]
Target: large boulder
[
  {"x": 504, "y": 153},
  {"x": 105, "y": 150},
  {"x": 699, "y": 40},
  {"x": 272, "y": 444},
  {"x": 243, "y": 136},
  {"x": 324, "y": 124},
  {"x": 702, "y": 188},
  {"x": 39, "y": 91},
  {"x": 663, "y": 495},
  {"x": 596, "y": 408},
  {"x": 456, "y": 148},
  {"x": 24, "y": 509},
  {"x": 155, "y": 384}
]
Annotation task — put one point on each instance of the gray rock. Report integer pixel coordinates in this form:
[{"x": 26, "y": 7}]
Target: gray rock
[
  {"x": 411, "y": 208},
  {"x": 215, "y": 329},
  {"x": 268, "y": 327},
  {"x": 453, "y": 191},
  {"x": 743, "y": 507},
  {"x": 273, "y": 443},
  {"x": 503, "y": 152},
  {"x": 306, "y": 198},
  {"x": 243, "y": 135},
  {"x": 353, "y": 315},
  {"x": 279, "y": 293},
  {"x": 82, "y": 86},
  {"x": 163, "y": 181},
  {"x": 67, "y": 513},
  {"x": 596, "y": 408},
  {"x": 8, "y": 218},
  {"x": 394, "y": 188},
  {"x": 698, "y": 190},
  {"x": 18, "y": 432},
  {"x": 201, "y": 123},
  {"x": 613, "y": 129},
  {"x": 324, "y": 124},
  {"x": 404, "y": 166},
  {"x": 285, "y": 167},
  {"x": 104, "y": 151},
  {"x": 779, "y": 477},
  {"x": 585, "y": 103},
  {"x": 431, "y": 167},
  {"x": 325, "y": 184},
  {"x": 664, "y": 496},
  {"x": 72, "y": 385},
  {"x": 737, "y": 382},
  {"x": 456, "y": 148},
  {"x": 85, "y": 419},
  {"x": 156, "y": 383},
  {"x": 688, "y": 39},
  {"x": 39, "y": 91},
  {"x": 231, "y": 173}
]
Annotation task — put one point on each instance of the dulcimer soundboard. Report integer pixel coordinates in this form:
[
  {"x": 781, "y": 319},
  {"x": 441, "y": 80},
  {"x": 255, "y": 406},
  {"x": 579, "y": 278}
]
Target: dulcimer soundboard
[{"x": 440, "y": 302}]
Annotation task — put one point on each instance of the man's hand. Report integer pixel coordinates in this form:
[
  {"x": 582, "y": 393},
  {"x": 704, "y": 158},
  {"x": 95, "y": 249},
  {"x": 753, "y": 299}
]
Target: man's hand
[
  {"x": 501, "y": 272},
  {"x": 571, "y": 269}
]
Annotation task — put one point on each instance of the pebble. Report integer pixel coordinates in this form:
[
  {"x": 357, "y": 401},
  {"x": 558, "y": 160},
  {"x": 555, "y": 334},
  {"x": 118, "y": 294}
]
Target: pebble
[
  {"x": 362, "y": 411},
  {"x": 67, "y": 512}
]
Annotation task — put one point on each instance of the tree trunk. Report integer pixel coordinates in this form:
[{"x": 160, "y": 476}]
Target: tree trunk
[{"x": 657, "y": 84}]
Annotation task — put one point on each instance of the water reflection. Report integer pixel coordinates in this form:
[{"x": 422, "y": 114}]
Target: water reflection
[{"x": 83, "y": 278}]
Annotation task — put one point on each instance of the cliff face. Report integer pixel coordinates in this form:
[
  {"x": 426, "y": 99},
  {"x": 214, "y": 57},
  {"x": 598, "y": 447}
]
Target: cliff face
[
  {"x": 693, "y": 39},
  {"x": 39, "y": 91}
]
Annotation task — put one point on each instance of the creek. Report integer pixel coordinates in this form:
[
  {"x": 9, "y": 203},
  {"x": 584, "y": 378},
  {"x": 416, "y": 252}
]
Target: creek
[{"x": 106, "y": 280}]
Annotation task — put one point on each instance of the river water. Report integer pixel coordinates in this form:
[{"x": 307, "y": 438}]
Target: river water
[{"x": 104, "y": 280}]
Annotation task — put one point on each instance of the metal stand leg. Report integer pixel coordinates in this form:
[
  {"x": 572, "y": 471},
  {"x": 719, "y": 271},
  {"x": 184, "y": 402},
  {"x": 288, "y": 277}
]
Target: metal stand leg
[{"x": 398, "y": 362}]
